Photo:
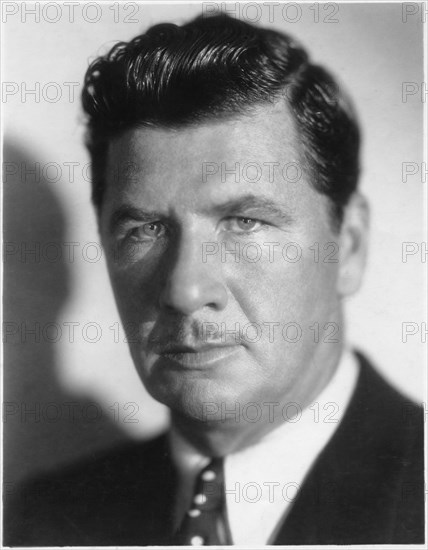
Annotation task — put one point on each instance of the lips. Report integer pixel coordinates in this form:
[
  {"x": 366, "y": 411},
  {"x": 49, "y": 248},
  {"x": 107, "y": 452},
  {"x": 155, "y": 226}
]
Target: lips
[{"x": 198, "y": 356}]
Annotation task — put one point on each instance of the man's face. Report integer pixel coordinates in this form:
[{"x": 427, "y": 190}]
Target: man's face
[{"x": 219, "y": 256}]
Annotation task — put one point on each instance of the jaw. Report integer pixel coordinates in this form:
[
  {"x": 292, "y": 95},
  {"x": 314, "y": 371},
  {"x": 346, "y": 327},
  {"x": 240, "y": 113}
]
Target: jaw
[{"x": 224, "y": 429}]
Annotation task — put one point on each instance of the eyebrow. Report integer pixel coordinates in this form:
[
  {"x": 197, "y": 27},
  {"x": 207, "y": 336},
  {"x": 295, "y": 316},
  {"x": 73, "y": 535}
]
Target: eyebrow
[
  {"x": 247, "y": 204},
  {"x": 127, "y": 212},
  {"x": 258, "y": 204}
]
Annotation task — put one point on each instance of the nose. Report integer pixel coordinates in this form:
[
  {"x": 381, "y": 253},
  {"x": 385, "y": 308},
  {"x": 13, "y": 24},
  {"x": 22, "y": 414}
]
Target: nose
[{"x": 191, "y": 284}]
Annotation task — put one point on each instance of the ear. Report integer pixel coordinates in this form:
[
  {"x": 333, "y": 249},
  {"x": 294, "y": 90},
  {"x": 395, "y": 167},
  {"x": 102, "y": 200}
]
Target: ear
[{"x": 353, "y": 245}]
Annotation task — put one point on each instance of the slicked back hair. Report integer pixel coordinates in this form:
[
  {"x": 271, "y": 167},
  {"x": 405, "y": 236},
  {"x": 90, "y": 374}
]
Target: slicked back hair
[{"x": 216, "y": 66}]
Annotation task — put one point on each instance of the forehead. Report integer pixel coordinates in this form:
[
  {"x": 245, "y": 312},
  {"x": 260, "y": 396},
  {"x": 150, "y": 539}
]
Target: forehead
[{"x": 258, "y": 152}]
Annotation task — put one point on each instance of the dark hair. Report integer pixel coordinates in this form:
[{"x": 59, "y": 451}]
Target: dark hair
[{"x": 219, "y": 66}]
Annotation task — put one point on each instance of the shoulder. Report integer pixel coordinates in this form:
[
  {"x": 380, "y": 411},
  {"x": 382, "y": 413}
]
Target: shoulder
[
  {"x": 376, "y": 460},
  {"x": 120, "y": 467},
  {"x": 367, "y": 485},
  {"x": 85, "y": 502},
  {"x": 379, "y": 408},
  {"x": 382, "y": 432}
]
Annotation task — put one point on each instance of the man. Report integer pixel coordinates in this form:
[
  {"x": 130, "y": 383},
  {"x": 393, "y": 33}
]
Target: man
[{"x": 225, "y": 170}]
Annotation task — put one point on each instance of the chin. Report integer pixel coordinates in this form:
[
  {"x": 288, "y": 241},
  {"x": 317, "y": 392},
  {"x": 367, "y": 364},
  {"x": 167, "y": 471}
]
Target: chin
[{"x": 199, "y": 399}]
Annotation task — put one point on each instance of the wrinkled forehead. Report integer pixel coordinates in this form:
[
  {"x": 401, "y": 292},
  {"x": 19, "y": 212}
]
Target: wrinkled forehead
[{"x": 253, "y": 146}]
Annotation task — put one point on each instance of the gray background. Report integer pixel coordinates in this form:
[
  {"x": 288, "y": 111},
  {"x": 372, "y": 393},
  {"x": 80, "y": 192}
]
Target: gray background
[{"x": 85, "y": 394}]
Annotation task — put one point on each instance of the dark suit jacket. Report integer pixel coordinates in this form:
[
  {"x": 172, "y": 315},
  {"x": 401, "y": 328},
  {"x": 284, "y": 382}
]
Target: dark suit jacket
[{"x": 366, "y": 487}]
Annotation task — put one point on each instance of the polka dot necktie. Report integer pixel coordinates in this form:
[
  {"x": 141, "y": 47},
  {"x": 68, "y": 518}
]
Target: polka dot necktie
[{"x": 205, "y": 524}]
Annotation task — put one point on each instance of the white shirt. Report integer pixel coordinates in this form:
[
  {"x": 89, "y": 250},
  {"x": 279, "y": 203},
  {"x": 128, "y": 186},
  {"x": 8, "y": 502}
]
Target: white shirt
[{"x": 263, "y": 480}]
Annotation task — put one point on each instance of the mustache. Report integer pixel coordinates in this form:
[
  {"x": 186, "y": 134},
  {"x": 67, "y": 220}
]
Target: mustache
[{"x": 194, "y": 334}]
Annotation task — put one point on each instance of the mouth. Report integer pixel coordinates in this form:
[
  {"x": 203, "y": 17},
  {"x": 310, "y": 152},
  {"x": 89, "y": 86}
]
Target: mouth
[{"x": 199, "y": 357}]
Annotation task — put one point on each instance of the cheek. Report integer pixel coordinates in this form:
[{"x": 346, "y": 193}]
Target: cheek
[
  {"x": 295, "y": 285},
  {"x": 135, "y": 295}
]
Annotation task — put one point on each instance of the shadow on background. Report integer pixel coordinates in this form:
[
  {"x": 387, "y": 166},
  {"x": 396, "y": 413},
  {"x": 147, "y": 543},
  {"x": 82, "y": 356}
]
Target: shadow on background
[{"x": 44, "y": 427}]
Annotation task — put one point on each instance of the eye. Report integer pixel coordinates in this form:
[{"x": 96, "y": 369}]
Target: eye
[
  {"x": 243, "y": 224},
  {"x": 150, "y": 230}
]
